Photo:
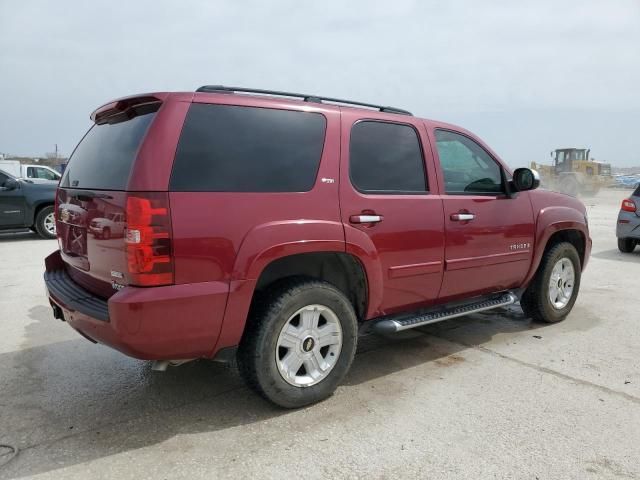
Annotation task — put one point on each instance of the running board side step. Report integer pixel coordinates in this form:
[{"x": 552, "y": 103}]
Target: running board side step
[{"x": 404, "y": 321}]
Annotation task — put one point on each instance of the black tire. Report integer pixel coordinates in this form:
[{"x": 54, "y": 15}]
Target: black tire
[
  {"x": 106, "y": 233},
  {"x": 270, "y": 312},
  {"x": 535, "y": 301},
  {"x": 39, "y": 225},
  {"x": 627, "y": 245}
]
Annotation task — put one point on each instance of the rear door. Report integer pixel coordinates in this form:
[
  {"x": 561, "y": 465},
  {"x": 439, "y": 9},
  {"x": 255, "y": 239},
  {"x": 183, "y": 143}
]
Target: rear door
[
  {"x": 93, "y": 191},
  {"x": 489, "y": 236},
  {"x": 388, "y": 206}
]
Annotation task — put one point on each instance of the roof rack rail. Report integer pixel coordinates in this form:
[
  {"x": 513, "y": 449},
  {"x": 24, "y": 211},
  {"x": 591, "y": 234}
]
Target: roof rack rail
[{"x": 305, "y": 97}]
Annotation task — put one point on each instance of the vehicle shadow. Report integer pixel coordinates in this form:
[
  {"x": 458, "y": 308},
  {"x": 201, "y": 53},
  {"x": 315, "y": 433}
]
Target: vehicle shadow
[
  {"x": 71, "y": 402},
  {"x": 615, "y": 254},
  {"x": 20, "y": 235}
]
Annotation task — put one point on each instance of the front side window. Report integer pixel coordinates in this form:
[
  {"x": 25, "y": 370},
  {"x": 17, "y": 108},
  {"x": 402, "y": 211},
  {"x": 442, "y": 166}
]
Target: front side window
[
  {"x": 226, "y": 148},
  {"x": 467, "y": 167},
  {"x": 386, "y": 158}
]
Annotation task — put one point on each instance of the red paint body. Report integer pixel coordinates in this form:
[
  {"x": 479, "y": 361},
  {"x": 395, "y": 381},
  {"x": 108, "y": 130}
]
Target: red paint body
[{"x": 222, "y": 242}]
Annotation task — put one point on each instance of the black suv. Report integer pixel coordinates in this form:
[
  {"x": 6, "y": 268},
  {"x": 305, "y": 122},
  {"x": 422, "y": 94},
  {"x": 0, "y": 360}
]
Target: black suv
[{"x": 24, "y": 204}]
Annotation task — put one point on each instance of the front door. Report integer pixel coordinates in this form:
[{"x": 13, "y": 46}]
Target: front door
[
  {"x": 387, "y": 209},
  {"x": 12, "y": 205},
  {"x": 489, "y": 236}
]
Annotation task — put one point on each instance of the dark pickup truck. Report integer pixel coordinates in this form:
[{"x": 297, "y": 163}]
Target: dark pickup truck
[{"x": 24, "y": 204}]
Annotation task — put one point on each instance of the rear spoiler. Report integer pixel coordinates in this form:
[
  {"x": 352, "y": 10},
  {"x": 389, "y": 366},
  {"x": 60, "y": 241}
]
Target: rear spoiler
[{"x": 126, "y": 108}]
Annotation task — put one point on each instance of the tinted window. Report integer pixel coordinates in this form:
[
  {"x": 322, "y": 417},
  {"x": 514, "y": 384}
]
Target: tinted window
[
  {"x": 103, "y": 158},
  {"x": 466, "y": 166},
  {"x": 386, "y": 158},
  {"x": 245, "y": 149}
]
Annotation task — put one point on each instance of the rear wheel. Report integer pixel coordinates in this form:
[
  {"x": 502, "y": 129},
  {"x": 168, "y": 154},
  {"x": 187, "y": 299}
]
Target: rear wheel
[
  {"x": 45, "y": 224},
  {"x": 554, "y": 289},
  {"x": 627, "y": 245},
  {"x": 299, "y": 342}
]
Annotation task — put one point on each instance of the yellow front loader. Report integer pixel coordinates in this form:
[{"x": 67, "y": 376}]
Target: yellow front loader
[{"x": 574, "y": 173}]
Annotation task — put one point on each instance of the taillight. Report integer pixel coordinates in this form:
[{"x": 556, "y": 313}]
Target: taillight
[
  {"x": 148, "y": 239},
  {"x": 628, "y": 205}
]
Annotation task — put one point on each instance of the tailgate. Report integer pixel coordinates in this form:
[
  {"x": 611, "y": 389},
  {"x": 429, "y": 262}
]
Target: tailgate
[
  {"x": 90, "y": 228},
  {"x": 92, "y": 198}
]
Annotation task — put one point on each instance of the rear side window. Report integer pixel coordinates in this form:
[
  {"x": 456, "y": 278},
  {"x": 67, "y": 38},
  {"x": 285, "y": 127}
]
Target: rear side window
[
  {"x": 386, "y": 158},
  {"x": 226, "y": 148},
  {"x": 104, "y": 157}
]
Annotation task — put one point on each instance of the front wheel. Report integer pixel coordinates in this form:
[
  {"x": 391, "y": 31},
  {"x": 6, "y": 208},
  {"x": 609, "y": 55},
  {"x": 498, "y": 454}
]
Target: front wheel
[
  {"x": 554, "y": 289},
  {"x": 569, "y": 185},
  {"x": 299, "y": 342}
]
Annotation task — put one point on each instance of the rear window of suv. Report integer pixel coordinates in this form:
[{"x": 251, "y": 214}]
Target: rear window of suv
[
  {"x": 104, "y": 157},
  {"x": 225, "y": 148}
]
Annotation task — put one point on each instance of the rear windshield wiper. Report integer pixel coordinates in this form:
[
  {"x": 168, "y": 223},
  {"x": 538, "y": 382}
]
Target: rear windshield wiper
[{"x": 87, "y": 195}]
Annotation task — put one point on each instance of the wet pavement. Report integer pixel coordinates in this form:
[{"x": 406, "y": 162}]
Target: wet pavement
[{"x": 490, "y": 395}]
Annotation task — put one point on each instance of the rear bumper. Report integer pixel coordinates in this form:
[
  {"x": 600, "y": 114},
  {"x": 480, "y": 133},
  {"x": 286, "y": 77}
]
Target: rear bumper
[
  {"x": 156, "y": 323},
  {"x": 628, "y": 225}
]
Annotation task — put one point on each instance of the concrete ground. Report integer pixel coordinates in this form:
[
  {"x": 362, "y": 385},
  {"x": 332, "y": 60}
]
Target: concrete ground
[{"x": 487, "y": 396}]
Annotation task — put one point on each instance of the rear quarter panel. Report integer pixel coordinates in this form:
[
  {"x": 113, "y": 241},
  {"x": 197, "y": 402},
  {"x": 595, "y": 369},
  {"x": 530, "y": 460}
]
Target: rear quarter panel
[{"x": 230, "y": 237}]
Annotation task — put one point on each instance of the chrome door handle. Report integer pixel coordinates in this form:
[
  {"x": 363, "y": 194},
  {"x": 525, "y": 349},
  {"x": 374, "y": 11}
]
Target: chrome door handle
[
  {"x": 365, "y": 218},
  {"x": 462, "y": 217}
]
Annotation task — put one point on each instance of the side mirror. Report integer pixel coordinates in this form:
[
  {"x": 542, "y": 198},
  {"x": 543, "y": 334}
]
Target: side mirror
[
  {"x": 525, "y": 179},
  {"x": 10, "y": 184}
]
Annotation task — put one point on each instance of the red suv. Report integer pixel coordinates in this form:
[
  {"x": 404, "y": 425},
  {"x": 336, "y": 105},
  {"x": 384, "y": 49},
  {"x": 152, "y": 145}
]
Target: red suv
[{"x": 274, "y": 228}]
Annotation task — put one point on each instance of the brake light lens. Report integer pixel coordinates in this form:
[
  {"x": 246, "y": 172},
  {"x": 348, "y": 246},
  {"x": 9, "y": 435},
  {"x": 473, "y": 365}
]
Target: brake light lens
[
  {"x": 148, "y": 239},
  {"x": 628, "y": 205}
]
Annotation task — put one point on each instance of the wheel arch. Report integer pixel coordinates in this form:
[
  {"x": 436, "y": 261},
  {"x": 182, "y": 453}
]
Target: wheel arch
[
  {"x": 35, "y": 210},
  {"x": 554, "y": 234},
  {"x": 312, "y": 248},
  {"x": 344, "y": 271}
]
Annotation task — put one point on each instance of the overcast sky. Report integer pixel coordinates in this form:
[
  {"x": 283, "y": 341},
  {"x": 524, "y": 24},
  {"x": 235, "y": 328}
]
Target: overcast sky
[{"x": 526, "y": 78}]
